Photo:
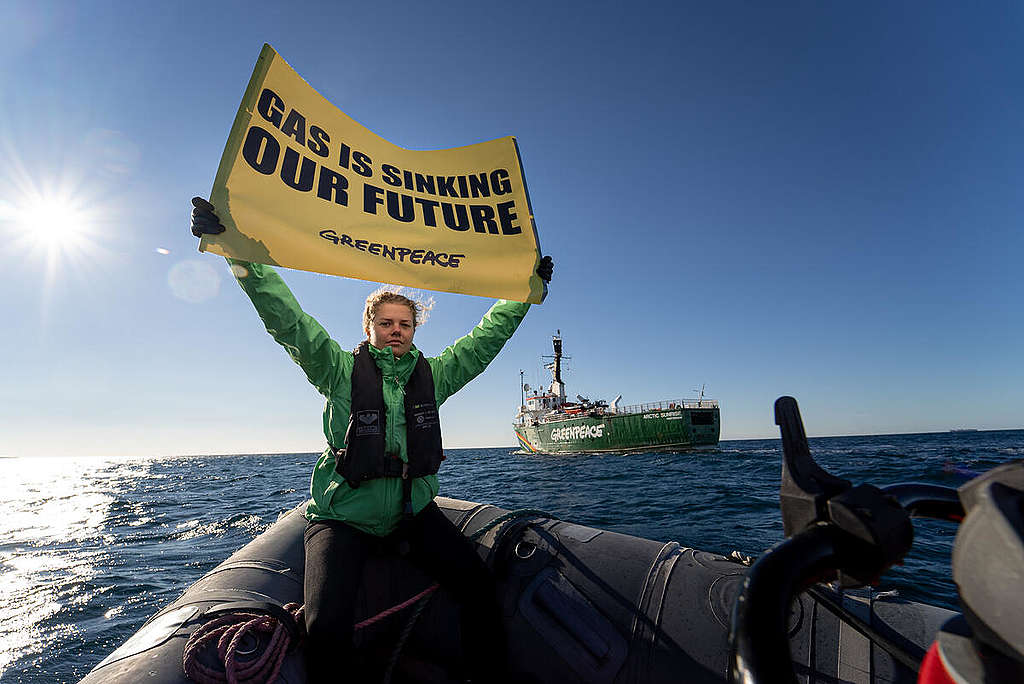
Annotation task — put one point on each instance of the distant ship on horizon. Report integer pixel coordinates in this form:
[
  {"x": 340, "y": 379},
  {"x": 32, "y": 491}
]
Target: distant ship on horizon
[
  {"x": 548, "y": 424},
  {"x": 956, "y": 430}
]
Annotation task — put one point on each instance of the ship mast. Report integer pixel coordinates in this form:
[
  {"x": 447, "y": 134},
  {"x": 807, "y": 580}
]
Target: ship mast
[
  {"x": 557, "y": 386},
  {"x": 556, "y": 342}
]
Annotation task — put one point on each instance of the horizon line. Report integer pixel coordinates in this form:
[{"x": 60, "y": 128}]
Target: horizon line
[{"x": 513, "y": 446}]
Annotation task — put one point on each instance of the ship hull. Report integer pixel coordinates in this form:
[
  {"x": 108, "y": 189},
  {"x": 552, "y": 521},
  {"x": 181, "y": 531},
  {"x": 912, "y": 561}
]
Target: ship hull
[{"x": 666, "y": 429}]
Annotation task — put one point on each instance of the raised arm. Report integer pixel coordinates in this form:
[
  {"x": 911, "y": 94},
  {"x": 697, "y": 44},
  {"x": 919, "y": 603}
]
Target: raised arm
[
  {"x": 469, "y": 355},
  {"x": 467, "y": 358},
  {"x": 306, "y": 341}
]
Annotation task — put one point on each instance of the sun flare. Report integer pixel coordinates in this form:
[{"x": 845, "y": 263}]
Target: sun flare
[
  {"x": 54, "y": 225},
  {"x": 53, "y": 222}
]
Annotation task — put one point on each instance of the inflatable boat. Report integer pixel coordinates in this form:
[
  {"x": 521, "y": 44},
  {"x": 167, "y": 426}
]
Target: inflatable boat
[{"x": 582, "y": 604}]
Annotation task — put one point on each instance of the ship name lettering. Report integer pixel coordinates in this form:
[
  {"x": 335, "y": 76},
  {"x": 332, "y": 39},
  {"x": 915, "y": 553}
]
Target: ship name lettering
[{"x": 577, "y": 432}]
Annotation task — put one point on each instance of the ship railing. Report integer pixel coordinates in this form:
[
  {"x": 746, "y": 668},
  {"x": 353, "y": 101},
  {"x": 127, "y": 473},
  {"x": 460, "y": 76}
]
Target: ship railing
[
  {"x": 621, "y": 410},
  {"x": 667, "y": 406}
]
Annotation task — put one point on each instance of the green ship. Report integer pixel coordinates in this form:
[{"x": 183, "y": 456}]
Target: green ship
[{"x": 548, "y": 424}]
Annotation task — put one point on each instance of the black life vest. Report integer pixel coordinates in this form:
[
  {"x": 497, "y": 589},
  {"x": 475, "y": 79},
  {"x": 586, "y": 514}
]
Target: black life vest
[{"x": 364, "y": 457}]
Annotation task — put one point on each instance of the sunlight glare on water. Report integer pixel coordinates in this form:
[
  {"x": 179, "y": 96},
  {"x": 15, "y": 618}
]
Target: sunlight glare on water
[{"x": 52, "y": 538}]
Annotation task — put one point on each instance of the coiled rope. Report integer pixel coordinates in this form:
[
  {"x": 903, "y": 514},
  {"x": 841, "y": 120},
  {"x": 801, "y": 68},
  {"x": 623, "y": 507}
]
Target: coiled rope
[{"x": 230, "y": 630}]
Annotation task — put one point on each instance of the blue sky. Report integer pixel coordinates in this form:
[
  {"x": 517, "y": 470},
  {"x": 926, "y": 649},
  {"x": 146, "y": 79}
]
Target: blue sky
[{"x": 820, "y": 200}]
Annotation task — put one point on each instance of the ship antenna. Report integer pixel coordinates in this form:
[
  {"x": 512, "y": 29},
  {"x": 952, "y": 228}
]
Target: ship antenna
[{"x": 522, "y": 389}]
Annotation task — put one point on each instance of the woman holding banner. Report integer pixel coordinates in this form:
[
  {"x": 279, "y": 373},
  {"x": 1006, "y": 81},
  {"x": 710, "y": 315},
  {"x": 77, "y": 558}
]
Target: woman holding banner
[{"x": 378, "y": 476}]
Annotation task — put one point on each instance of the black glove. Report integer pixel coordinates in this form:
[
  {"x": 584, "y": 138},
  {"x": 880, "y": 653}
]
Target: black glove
[
  {"x": 204, "y": 221},
  {"x": 546, "y": 268}
]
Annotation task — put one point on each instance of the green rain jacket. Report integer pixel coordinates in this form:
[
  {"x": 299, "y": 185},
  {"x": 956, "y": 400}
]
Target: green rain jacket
[{"x": 375, "y": 506}]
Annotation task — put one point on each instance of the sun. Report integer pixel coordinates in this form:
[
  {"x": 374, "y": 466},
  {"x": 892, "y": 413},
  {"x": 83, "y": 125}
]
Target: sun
[
  {"x": 56, "y": 226},
  {"x": 53, "y": 222}
]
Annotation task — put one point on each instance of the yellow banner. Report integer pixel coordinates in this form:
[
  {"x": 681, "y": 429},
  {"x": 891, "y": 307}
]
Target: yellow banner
[{"x": 304, "y": 186}]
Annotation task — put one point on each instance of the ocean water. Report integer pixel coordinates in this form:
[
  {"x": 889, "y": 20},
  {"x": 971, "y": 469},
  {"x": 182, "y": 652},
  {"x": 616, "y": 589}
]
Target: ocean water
[{"x": 91, "y": 547}]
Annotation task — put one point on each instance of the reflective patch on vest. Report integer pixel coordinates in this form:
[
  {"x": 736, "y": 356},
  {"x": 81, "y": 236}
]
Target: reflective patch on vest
[
  {"x": 424, "y": 416},
  {"x": 367, "y": 423}
]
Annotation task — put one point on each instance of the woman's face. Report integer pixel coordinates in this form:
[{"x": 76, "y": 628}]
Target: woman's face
[{"x": 393, "y": 326}]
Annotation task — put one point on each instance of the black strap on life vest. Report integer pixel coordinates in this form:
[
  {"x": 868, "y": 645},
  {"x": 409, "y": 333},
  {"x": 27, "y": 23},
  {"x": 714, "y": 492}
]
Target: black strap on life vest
[{"x": 364, "y": 457}]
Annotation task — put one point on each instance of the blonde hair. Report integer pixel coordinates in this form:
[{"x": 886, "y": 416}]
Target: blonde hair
[{"x": 389, "y": 294}]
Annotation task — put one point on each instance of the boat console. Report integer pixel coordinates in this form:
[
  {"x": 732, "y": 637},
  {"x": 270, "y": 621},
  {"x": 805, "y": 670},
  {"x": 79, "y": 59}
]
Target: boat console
[{"x": 850, "y": 534}]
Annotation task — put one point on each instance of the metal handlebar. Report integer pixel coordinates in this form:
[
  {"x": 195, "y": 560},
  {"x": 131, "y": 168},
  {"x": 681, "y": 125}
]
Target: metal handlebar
[
  {"x": 834, "y": 529},
  {"x": 928, "y": 501},
  {"x": 759, "y": 635}
]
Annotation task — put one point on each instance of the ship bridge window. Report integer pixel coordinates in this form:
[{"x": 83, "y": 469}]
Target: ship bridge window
[{"x": 700, "y": 417}]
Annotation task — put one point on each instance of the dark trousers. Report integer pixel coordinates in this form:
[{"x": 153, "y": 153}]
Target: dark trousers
[{"x": 335, "y": 556}]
